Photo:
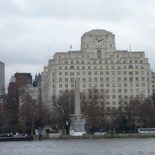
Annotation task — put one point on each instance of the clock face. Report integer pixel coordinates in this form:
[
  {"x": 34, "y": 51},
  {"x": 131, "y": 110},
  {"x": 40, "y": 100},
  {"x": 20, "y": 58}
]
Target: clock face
[{"x": 99, "y": 41}]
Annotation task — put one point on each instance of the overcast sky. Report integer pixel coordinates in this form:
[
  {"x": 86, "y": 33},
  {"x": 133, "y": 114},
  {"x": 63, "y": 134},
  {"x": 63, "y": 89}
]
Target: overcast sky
[{"x": 31, "y": 31}]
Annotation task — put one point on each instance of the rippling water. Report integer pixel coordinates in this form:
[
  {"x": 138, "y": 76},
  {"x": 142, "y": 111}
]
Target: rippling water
[{"x": 114, "y": 146}]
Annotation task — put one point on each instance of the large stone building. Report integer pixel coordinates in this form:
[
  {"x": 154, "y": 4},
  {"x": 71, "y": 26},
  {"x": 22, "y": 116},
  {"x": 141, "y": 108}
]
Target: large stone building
[
  {"x": 118, "y": 74},
  {"x": 2, "y": 78}
]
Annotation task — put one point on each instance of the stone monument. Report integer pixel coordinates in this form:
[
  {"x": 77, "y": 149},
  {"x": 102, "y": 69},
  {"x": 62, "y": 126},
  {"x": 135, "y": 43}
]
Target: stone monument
[{"x": 77, "y": 125}]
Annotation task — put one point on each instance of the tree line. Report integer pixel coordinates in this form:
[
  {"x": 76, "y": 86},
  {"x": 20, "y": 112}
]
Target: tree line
[{"x": 24, "y": 113}]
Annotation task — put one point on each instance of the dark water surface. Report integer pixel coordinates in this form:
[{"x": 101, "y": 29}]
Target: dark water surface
[{"x": 120, "y": 146}]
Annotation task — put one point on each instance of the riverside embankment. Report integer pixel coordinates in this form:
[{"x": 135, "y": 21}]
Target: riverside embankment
[{"x": 93, "y": 136}]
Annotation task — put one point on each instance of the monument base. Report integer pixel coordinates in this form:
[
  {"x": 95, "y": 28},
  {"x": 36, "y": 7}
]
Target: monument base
[{"x": 77, "y": 127}]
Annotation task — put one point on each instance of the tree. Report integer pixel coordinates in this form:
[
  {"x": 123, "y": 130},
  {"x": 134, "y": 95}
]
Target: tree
[
  {"x": 63, "y": 107},
  {"x": 94, "y": 108}
]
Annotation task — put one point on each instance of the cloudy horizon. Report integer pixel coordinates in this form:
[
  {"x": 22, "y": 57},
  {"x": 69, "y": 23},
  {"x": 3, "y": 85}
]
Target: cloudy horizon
[{"x": 32, "y": 31}]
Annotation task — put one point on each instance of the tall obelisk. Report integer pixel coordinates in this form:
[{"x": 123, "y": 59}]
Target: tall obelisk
[
  {"x": 77, "y": 125},
  {"x": 77, "y": 105}
]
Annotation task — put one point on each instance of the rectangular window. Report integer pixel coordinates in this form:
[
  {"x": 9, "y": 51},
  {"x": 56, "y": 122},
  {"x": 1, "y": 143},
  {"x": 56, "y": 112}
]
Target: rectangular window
[
  {"x": 119, "y": 72},
  {"x": 107, "y": 78},
  {"x": 83, "y": 67},
  {"x": 95, "y": 79},
  {"x": 119, "y": 78},
  {"x": 125, "y": 78},
  {"x": 113, "y": 72},
  {"x": 101, "y": 78},
  {"x": 107, "y": 72},
  {"x": 95, "y": 73},
  {"x": 101, "y": 72}
]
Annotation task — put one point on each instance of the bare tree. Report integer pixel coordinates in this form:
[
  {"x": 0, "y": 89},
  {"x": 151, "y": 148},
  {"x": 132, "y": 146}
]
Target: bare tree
[{"x": 63, "y": 107}]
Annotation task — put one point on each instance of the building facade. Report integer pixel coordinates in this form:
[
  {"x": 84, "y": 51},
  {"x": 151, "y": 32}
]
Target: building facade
[
  {"x": 118, "y": 74},
  {"x": 17, "y": 81},
  {"x": 2, "y": 78}
]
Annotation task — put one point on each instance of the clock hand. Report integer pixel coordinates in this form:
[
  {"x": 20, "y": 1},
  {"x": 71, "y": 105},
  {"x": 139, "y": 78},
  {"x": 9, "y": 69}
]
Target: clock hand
[
  {"x": 97, "y": 39},
  {"x": 101, "y": 40}
]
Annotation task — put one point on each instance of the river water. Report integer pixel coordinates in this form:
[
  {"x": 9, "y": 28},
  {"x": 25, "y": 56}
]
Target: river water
[{"x": 115, "y": 146}]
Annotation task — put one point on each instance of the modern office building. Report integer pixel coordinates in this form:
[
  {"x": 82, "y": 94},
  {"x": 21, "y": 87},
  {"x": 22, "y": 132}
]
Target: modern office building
[
  {"x": 2, "y": 78},
  {"x": 118, "y": 74}
]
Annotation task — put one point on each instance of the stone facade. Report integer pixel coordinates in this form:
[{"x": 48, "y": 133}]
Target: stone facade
[{"x": 118, "y": 74}]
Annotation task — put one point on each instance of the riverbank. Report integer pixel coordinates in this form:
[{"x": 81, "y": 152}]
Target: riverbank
[{"x": 93, "y": 136}]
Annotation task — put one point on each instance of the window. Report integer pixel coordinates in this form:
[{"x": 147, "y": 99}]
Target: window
[
  {"x": 113, "y": 90},
  {"x": 107, "y": 72},
  {"x": 95, "y": 67},
  {"x": 125, "y": 90},
  {"x": 119, "y": 72},
  {"x": 113, "y": 72},
  {"x": 72, "y": 79},
  {"x": 107, "y": 91},
  {"x": 66, "y": 79},
  {"x": 125, "y": 84},
  {"x": 60, "y": 85},
  {"x": 71, "y": 67},
  {"x": 130, "y": 73},
  {"x": 60, "y": 73},
  {"x": 107, "y": 84},
  {"x": 66, "y": 73},
  {"x": 125, "y": 78},
  {"x": 84, "y": 79},
  {"x": 95, "y": 73},
  {"x": 101, "y": 72},
  {"x": 101, "y": 78},
  {"x": 101, "y": 84},
  {"x": 130, "y": 79},
  {"x": 119, "y": 78},
  {"x": 142, "y": 72},
  {"x": 119, "y": 90},
  {"x": 89, "y": 73},
  {"x": 72, "y": 73},
  {"x": 60, "y": 79},
  {"x": 66, "y": 67},
  {"x": 107, "y": 78},
  {"x": 113, "y": 84},
  {"x": 83, "y": 67},
  {"x": 119, "y": 84},
  {"x": 78, "y": 67},
  {"x": 136, "y": 72},
  {"x": 77, "y": 73},
  {"x": 113, "y": 96}
]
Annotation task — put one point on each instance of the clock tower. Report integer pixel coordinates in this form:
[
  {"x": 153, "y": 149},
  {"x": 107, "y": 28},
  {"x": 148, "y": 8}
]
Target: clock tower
[{"x": 95, "y": 40}]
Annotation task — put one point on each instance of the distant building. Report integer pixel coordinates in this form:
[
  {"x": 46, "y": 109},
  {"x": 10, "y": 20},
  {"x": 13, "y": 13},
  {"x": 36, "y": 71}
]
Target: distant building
[
  {"x": 153, "y": 87},
  {"x": 2, "y": 78},
  {"x": 118, "y": 74},
  {"x": 17, "y": 81}
]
